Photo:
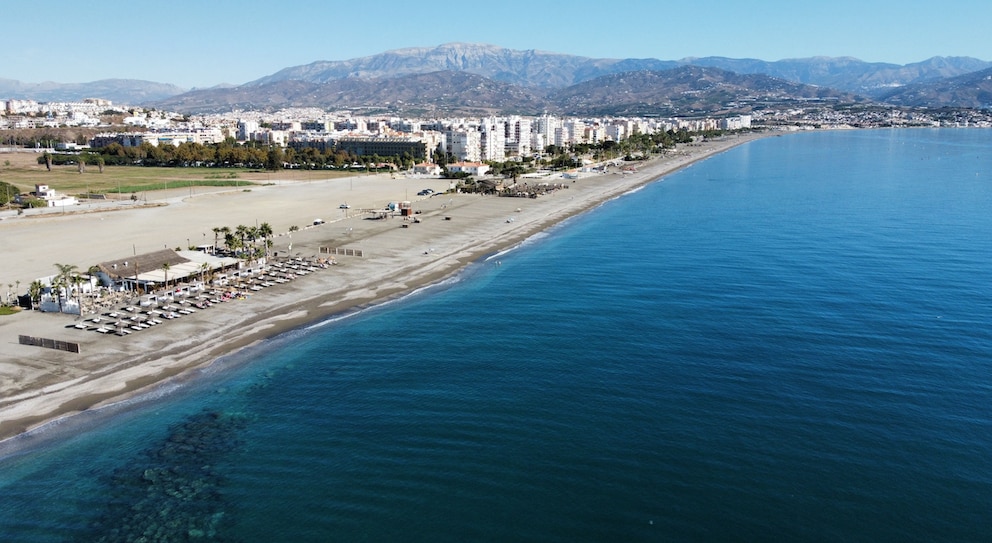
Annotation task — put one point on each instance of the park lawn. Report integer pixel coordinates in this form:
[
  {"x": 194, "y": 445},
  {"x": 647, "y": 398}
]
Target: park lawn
[{"x": 25, "y": 173}]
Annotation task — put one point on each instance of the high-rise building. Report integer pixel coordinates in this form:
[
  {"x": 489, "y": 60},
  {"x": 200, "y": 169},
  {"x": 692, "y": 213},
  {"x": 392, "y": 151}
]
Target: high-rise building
[{"x": 465, "y": 144}]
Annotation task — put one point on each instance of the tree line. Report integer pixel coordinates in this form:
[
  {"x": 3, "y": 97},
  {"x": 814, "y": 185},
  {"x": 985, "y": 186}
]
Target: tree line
[
  {"x": 231, "y": 154},
  {"x": 226, "y": 154},
  {"x": 242, "y": 240}
]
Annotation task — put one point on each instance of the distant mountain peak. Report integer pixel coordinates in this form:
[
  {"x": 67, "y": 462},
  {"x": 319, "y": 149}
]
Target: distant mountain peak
[{"x": 119, "y": 91}]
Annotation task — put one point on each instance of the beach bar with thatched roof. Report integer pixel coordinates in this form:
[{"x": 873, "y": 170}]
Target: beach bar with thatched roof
[{"x": 149, "y": 271}]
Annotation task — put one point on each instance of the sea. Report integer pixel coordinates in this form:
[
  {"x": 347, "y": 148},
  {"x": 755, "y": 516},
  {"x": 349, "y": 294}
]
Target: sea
[{"x": 789, "y": 341}]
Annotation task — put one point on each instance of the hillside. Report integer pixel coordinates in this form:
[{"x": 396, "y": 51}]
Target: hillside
[
  {"x": 444, "y": 91},
  {"x": 529, "y": 68},
  {"x": 973, "y": 90},
  {"x": 686, "y": 91},
  {"x": 545, "y": 70}
]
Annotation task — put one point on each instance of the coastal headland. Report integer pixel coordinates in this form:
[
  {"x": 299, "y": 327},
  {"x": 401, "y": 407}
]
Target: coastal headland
[{"x": 39, "y": 385}]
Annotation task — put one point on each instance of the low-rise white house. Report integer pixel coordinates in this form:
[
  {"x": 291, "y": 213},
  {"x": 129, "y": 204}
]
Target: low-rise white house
[
  {"x": 48, "y": 194},
  {"x": 471, "y": 168},
  {"x": 426, "y": 168}
]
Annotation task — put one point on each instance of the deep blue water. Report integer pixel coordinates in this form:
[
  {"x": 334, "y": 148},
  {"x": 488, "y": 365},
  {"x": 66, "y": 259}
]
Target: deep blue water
[{"x": 789, "y": 341}]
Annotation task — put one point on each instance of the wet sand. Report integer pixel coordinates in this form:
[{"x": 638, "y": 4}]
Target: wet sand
[{"x": 39, "y": 385}]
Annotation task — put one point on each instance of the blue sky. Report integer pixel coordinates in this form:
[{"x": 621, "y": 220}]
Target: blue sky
[{"x": 206, "y": 42}]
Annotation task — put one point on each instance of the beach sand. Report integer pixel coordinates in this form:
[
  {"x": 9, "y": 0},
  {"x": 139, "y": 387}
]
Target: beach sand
[{"x": 39, "y": 385}]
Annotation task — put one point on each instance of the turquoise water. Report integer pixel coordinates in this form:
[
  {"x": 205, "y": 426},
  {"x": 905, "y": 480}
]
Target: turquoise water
[{"x": 789, "y": 341}]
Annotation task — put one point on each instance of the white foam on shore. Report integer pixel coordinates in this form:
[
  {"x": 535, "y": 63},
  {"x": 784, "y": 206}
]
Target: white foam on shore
[
  {"x": 538, "y": 236},
  {"x": 444, "y": 283},
  {"x": 72, "y": 424}
]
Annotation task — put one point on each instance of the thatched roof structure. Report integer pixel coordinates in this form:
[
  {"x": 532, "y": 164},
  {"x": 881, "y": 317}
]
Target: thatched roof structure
[
  {"x": 127, "y": 268},
  {"x": 148, "y": 270}
]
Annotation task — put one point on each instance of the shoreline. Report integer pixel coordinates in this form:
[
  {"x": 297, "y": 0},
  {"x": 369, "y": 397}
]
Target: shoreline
[{"x": 55, "y": 386}]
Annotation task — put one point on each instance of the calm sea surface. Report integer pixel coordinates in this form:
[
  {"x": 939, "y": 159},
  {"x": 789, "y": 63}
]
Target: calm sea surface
[{"x": 790, "y": 341}]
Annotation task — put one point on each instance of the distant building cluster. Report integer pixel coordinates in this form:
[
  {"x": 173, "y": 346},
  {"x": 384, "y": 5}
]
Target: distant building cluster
[
  {"x": 466, "y": 139},
  {"x": 202, "y": 136},
  {"x": 471, "y": 140},
  {"x": 32, "y": 114}
]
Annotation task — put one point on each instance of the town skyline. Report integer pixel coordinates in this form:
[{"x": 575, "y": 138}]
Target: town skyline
[{"x": 204, "y": 45}]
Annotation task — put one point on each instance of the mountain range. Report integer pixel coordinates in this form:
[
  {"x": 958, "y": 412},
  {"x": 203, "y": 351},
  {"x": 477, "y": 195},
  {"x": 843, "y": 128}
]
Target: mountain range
[
  {"x": 538, "y": 69},
  {"x": 476, "y": 78},
  {"x": 971, "y": 90},
  {"x": 120, "y": 91}
]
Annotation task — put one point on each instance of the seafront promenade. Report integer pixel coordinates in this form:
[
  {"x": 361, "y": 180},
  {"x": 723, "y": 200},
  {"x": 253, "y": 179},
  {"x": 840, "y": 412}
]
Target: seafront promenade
[{"x": 38, "y": 385}]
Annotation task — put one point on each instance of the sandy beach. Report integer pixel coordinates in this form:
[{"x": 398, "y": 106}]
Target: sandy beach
[{"x": 39, "y": 385}]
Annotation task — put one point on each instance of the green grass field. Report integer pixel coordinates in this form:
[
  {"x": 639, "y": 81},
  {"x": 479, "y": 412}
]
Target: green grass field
[{"x": 23, "y": 171}]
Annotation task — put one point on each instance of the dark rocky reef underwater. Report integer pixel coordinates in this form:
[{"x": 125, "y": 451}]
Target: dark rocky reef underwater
[{"x": 171, "y": 492}]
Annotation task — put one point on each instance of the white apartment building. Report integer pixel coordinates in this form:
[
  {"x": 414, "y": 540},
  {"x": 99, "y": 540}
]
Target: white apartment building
[
  {"x": 466, "y": 145},
  {"x": 576, "y": 130},
  {"x": 736, "y": 123},
  {"x": 405, "y": 125},
  {"x": 492, "y": 141},
  {"x": 698, "y": 125},
  {"x": 20, "y": 107},
  {"x": 522, "y": 129},
  {"x": 616, "y": 131},
  {"x": 538, "y": 142},
  {"x": 545, "y": 125},
  {"x": 595, "y": 134},
  {"x": 246, "y": 128}
]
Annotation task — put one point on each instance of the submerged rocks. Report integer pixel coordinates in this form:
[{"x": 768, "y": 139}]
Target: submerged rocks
[{"x": 171, "y": 492}]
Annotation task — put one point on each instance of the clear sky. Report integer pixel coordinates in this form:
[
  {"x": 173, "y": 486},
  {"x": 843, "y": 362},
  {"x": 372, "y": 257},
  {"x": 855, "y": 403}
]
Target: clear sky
[{"x": 203, "y": 43}]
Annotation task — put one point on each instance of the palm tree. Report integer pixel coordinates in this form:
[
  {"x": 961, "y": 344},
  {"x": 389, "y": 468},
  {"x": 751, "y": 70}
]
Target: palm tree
[
  {"x": 265, "y": 230},
  {"x": 253, "y": 236},
  {"x": 34, "y": 292},
  {"x": 224, "y": 230},
  {"x": 166, "y": 267},
  {"x": 61, "y": 280},
  {"x": 232, "y": 242},
  {"x": 218, "y": 230},
  {"x": 241, "y": 231},
  {"x": 92, "y": 271},
  {"x": 204, "y": 267},
  {"x": 77, "y": 281}
]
